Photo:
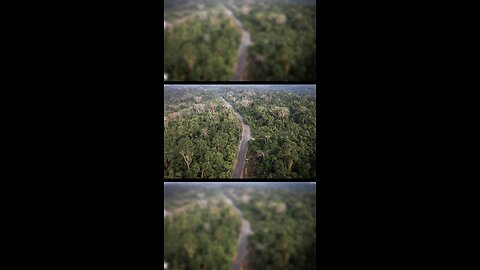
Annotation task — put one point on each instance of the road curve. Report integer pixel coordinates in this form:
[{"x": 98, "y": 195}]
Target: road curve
[
  {"x": 242, "y": 239},
  {"x": 243, "y": 145},
  {"x": 242, "y": 153},
  {"x": 242, "y": 49},
  {"x": 242, "y": 57}
]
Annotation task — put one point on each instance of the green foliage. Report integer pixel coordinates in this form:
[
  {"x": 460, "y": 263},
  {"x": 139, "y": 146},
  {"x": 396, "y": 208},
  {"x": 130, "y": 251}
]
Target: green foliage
[
  {"x": 283, "y": 50},
  {"x": 199, "y": 141},
  {"x": 204, "y": 47},
  {"x": 201, "y": 49},
  {"x": 284, "y": 145},
  {"x": 203, "y": 231},
  {"x": 204, "y": 144},
  {"x": 201, "y": 237},
  {"x": 281, "y": 240}
]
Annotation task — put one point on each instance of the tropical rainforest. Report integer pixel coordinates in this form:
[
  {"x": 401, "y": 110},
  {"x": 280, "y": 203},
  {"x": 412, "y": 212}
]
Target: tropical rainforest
[
  {"x": 203, "y": 135},
  {"x": 284, "y": 130},
  {"x": 203, "y": 225},
  {"x": 200, "y": 135},
  {"x": 202, "y": 40},
  {"x": 201, "y": 47}
]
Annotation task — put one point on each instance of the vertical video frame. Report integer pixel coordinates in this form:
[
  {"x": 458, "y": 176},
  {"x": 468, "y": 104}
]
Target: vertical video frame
[{"x": 240, "y": 104}]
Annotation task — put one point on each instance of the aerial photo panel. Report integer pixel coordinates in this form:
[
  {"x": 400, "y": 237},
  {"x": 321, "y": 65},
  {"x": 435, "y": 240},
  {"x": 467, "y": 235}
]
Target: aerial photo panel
[
  {"x": 239, "y": 105},
  {"x": 240, "y": 225},
  {"x": 240, "y": 131},
  {"x": 239, "y": 40}
]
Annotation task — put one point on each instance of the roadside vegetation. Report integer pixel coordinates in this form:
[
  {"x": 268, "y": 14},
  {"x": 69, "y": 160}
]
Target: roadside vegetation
[
  {"x": 202, "y": 47},
  {"x": 283, "y": 126},
  {"x": 284, "y": 226},
  {"x": 284, "y": 41},
  {"x": 204, "y": 234},
  {"x": 201, "y": 135},
  {"x": 201, "y": 42}
]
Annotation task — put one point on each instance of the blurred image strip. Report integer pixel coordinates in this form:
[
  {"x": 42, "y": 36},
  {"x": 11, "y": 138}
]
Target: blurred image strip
[
  {"x": 240, "y": 225},
  {"x": 240, "y": 40}
]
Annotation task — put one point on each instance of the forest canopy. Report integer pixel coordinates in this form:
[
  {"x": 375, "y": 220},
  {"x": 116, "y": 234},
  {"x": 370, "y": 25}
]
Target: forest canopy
[
  {"x": 202, "y": 134},
  {"x": 203, "y": 40},
  {"x": 204, "y": 225}
]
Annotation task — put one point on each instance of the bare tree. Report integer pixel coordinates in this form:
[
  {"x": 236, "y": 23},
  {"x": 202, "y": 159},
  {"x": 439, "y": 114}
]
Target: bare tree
[
  {"x": 205, "y": 131},
  {"x": 246, "y": 102},
  {"x": 281, "y": 19},
  {"x": 213, "y": 107},
  {"x": 284, "y": 111},
  {"x": 281, "y": 111},
  {"x": 199, "y": 107},
  {"x": 245, "y": 10},
  {"x": 186, "y": 150}
]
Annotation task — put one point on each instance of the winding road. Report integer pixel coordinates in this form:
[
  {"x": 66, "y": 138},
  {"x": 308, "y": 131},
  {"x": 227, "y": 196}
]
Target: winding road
[
  {"x": 243, "y": 144},
  {"x": 242, "y": 49},
  {"x": 242, "y": 239}
]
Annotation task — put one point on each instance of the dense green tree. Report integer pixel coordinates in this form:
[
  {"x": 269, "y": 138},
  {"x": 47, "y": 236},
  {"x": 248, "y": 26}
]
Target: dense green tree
[
  {"x": 204, "y": 236},
  {"x": 202, "y": 136},
  {"x": 284, "y": 128},
  {"x": 198, "y": 50},
  {"x": 283, "y": 36},
  {"x": 188, "y": 244}
]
